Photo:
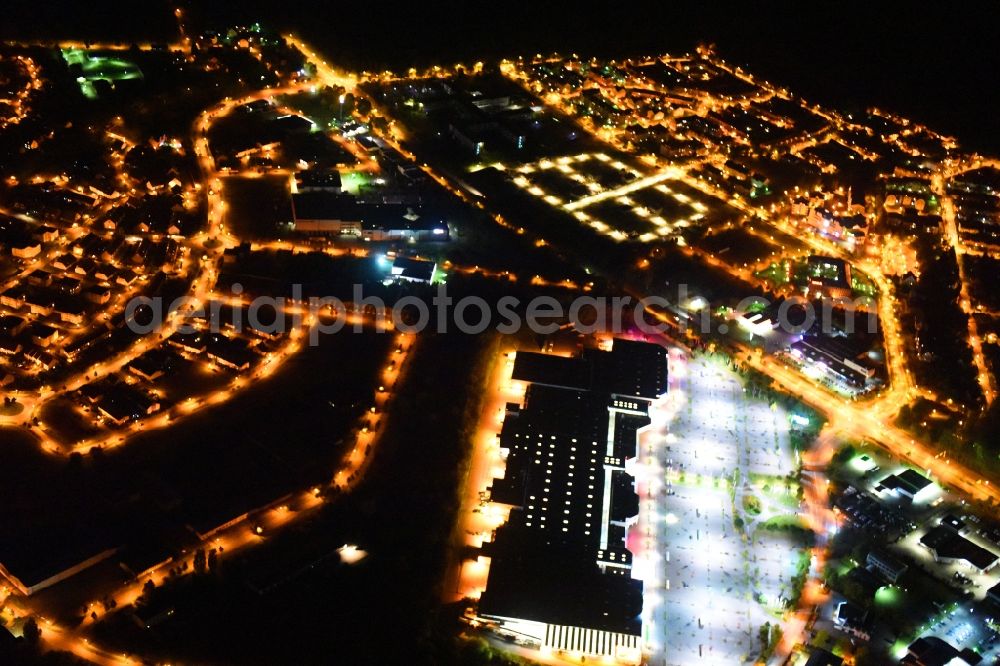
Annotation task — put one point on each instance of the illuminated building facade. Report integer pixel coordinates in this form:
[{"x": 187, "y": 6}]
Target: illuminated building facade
[{"x": 560, "y": 570}]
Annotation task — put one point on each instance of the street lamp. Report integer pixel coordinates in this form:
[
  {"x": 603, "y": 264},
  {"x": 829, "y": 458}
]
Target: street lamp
[{"x": 342, "y": 109}]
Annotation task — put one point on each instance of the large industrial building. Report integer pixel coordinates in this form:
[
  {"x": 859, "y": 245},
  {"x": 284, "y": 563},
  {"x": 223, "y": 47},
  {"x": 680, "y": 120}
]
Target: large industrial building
[
  {"x": 322, "y": 213},
  {"x": 560, "y": 571}
]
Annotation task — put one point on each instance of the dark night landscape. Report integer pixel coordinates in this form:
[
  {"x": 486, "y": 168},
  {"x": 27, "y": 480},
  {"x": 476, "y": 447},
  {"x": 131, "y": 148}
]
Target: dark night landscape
[{"x": 499, "y": 334}]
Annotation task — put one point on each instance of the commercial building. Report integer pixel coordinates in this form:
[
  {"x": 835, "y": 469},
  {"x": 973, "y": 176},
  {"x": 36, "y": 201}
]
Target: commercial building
[
  {"x": 885, "y": 565},
  {"x": 993, "y": 594},
  {"x": 758, "y": 323},
  {"x": 829, "y": 276},
  {"x": 318, "y": 180},
  {"x": 949, "y": 547},
  {"x": 413, "y": 270},
  {"x": 932, "y": 651},
  {"x": 329, "y": 214},
  {"x": 907, "y": 483},
  {"x": 836, "y": 357},
  {"x": 631, "y": 369},
  {"x": 122, "y": 404},
  {"x": 560, "y": 570},
  {"x": 852, "y": 619},
  {"x": 821, "y": 657},
  {"x": 233, "y": 353}
]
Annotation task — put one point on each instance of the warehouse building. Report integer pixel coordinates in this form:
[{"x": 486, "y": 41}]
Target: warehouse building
[{"x": 560, "y": 571}]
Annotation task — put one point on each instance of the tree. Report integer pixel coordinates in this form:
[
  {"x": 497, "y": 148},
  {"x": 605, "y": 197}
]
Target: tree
[
  {"x": 764, "y": 633},
  {"x": 148, "y": 589},
  {"x": 31, "y": 633},
  {"x": 200, "y": 561},
  {"x": 213, "y": 560},
  {"x": 843, "y": 455},
  {"x": 348, "y": 104}
]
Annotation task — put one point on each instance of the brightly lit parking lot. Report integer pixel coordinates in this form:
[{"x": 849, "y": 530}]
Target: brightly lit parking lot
[
  {"x": 711, "y": 581},
  {"x": 616, "y": 199},
  {"x": 965, "y": 626}
]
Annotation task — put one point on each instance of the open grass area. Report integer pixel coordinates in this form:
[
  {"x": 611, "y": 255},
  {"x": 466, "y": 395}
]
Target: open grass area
[
  {"x": 779, "y": 273},
  {"x": 93, "y": 68},
  {"x": 259, "y": 208},
  {"x": 277, "y": 436},
  {"x": 739, "y": 247},
  {"x": 402, "y": 514},
  {"x": 66, "y": 421}
]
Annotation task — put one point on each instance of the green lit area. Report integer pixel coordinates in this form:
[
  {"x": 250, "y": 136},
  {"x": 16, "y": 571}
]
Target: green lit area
[
  {"x": 353, "y": 181},
  {"x": 863, "y": 463},
  {"x": 861, "y": 284},
  {"x": 824, "y": 269},
  {"x": 844, "y": 567},
  {"x": 889, "y": 596},
  {"x": 900, "y": 648},
  {"x": 779, "y": 272},
  {"x": 918, "y": 189},
  {"x": 759, "y": 189},
  {"x": 98, "y": 68},
  {"x": 318, "y": 108},
  {"x": 439, "y": 276}
]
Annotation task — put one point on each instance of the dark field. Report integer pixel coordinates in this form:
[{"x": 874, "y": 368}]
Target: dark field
[
  {"x": 280, "y": 435},
  {"x": 383, "y": 610}
]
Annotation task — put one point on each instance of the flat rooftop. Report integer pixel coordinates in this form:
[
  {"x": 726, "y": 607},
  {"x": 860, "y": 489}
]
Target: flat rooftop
[
  {"x": 561, "y": 557},
  {"x": 908, "y": 481},
  {"x": 631, "y": 368},
  {"x": 324, "y": 206},
  {"x": 946, "y": 543}
]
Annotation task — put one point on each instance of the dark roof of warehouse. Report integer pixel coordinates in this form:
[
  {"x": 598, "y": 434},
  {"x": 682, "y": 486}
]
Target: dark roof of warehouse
[{"x": 631, "y": 368}]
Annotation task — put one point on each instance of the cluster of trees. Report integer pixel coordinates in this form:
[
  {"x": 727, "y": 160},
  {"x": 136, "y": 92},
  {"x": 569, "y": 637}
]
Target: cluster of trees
[
  {"x": 974, "y": 442},
  {"x": 27, "y": 650},
  {"x": 799, "y": 578},
  {"x": 802, "y": 436},
  {"x": 769, "y": 636},
  {"x": 945, "y": 357},
  {"x": 403, "y": 513},
  {"x": 984, "y": 440},
  {"x": 477, "y": 652}
]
